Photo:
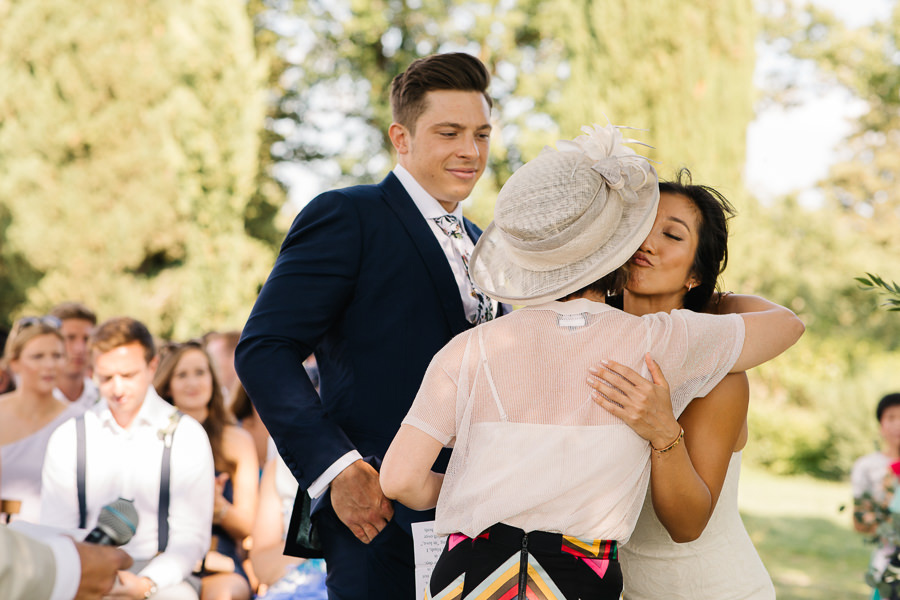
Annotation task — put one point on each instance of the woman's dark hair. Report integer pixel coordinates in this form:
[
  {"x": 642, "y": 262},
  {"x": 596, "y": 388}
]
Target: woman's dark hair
[
  {"x": 711, "y": 257},
  {"x": 610, "y": 284},
  {"x": 240, "y": 404},
  {"x": 217, "y": 416}
]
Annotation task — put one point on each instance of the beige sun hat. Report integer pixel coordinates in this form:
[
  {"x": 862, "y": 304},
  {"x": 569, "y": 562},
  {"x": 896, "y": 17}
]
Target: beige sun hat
[{"x": 567, "y": 218}]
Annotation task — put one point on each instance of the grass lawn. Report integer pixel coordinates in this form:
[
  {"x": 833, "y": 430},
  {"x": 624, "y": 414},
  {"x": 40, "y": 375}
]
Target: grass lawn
[{"x": 806, "y": 542}]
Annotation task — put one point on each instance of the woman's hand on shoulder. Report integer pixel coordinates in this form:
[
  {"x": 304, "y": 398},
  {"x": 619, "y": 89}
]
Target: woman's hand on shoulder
[{"x": 645, "y": 406}]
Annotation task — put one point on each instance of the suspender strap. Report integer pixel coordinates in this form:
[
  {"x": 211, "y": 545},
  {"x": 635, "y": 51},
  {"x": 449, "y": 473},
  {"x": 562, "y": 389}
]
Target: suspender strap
[
  {"x": 164, "y": 480},
  {"x": 80, "y": 471}
]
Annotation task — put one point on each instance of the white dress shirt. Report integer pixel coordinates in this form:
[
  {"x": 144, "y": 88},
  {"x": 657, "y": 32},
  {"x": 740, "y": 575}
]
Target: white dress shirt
[
  {"x": 126, "y": 463},
  {"x": 431, "y": 209},
  {"x": 89, "y": 395}
]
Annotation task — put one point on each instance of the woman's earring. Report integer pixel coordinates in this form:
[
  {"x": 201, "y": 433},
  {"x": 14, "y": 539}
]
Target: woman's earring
[{"x": 690, "y": 286}]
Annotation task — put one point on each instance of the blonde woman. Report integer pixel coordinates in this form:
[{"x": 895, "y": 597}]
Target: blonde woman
[{"x": 35, "y": 353}]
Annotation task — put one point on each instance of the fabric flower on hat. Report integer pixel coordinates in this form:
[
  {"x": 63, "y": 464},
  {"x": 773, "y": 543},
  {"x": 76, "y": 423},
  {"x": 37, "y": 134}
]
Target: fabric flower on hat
[{"x": 620, "y": 166}]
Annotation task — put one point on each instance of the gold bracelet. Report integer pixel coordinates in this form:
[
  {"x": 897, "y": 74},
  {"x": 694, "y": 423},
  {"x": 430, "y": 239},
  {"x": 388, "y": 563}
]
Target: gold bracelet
[{"x": 670, "y": 446}]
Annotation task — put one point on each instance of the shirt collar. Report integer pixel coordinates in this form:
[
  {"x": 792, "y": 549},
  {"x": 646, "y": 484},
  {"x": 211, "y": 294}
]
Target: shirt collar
[
  {"x": 572, "y": 307},
  {"x": 425, "y": 202},
  {"x": 154, "y": 411}
]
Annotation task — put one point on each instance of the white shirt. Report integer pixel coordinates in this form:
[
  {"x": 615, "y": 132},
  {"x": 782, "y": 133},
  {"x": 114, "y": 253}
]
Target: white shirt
[
  {"x": 89, "y": 395},
  {"x": 868, "y": 475},
  {"x": 530, "y": 447},
  {"x": 126, "y": 463},
  {"x": 431, "y": 209}
]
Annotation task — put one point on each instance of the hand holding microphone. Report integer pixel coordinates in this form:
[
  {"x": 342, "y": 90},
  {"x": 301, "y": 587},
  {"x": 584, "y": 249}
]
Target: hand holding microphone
[{"x": 101, "y": 570}]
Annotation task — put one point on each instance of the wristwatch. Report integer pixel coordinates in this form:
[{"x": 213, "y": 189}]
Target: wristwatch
[{"x": 152, "y": 589}]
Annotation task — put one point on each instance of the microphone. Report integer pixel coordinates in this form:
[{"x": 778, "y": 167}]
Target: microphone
[{"x": 116, "y": 524}]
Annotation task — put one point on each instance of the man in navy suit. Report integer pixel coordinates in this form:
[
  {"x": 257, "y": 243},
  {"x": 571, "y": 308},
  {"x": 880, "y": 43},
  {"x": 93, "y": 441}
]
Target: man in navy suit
[{"x": 374, "y": 280}]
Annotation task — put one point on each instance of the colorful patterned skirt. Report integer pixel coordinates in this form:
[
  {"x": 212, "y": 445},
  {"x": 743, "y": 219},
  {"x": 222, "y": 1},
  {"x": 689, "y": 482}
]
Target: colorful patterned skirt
[{"x": 505, "y": 563}]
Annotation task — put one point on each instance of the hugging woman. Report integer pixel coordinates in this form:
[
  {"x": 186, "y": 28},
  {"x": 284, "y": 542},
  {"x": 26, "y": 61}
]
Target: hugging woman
[{"x": 544, "y": 483}]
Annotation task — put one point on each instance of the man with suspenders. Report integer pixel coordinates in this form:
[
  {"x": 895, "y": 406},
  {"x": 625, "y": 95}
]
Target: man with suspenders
[{"x": 133, "y": 444}]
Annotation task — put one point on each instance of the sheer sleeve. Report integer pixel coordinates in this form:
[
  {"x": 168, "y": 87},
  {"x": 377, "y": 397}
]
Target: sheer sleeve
[
  {"x": 434, "y": 409},
  {"x": 698, "y": 349}
]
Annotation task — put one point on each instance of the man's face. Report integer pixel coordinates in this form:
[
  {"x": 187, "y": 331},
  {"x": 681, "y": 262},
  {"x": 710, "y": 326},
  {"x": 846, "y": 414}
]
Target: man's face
[
  {"x": 123, "y": 376},
  {"x": 448, "y": 150},
  {"x": 76, "y": 332}
]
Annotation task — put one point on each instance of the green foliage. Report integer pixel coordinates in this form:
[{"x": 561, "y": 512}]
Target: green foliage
[
  {"x": 892, "y": 290},
  {"x": 128, "y": 152},
  {"x": 810, "y": 258},
  {"x": 682, "y": 70},
  {"x": 556, "y": 66}
]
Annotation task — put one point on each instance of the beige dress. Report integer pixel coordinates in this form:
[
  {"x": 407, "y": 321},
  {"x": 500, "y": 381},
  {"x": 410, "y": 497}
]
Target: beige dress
[{"x": 721, "y": 564}]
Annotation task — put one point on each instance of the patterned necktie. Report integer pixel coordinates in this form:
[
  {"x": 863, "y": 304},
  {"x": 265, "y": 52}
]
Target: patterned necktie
[{"x": 450, "y": 225}]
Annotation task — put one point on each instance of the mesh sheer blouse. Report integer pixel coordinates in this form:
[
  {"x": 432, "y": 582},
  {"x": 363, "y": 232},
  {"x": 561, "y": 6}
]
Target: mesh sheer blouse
[{"x": 531, "y": 449}]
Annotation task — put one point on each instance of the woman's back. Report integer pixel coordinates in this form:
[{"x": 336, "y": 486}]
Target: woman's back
[
  {"x": 532, "y": 455},
  {"x": 721, "y": 564}
]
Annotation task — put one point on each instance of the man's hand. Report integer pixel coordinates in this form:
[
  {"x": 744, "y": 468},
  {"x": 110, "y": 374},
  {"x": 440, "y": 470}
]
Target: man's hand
[
  {"x": 130, "y": 587},
  {"x": 358, "y": 501},
  {"x": 99, "y": 566}
]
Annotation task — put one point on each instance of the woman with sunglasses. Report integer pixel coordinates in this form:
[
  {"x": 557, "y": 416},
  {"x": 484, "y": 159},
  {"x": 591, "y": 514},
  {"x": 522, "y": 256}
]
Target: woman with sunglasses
[
  {"x": 35, "y": 353},
  {"x": 186, "y": 379}
]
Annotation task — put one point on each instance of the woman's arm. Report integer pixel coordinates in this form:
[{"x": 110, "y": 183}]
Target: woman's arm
[
  {"x": 713, "y": 430},
  {"x": 406, "y": 474},
  {"x": 770, "y": 329},
  {"x": 237, "y": 517},
  {"x": 267, "y": 553},
  {"x": 685, "y": 480}
]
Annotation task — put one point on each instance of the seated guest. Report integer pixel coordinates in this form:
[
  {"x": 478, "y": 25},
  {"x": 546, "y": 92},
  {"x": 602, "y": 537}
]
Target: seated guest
[
  {"x": 186, "y": 379},
  {"x": 281, "y": 577},
  {"x": 35, "y": 353},
  {"x": 245, "y": 414},
  {"x": 134, "y": 445},
  {"x": 77, "y": 322},
  {"x": 220, "y": 348},
  {"x": 7, "y": 383}
]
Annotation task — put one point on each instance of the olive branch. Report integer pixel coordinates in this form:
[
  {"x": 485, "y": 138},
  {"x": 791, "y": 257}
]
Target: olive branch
[{"x": 876, "y": 283}]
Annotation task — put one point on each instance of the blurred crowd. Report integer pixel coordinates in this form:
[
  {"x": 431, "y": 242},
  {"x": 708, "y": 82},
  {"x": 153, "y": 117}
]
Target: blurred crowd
[{"x": 66, "y": 378}]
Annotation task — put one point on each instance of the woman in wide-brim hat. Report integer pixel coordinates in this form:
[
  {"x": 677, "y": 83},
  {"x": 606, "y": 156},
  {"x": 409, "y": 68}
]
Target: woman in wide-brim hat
[{"x": 543, "y": 483}]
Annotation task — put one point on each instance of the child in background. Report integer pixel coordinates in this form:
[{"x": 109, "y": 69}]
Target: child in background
[{"x": 874, "y": 478}]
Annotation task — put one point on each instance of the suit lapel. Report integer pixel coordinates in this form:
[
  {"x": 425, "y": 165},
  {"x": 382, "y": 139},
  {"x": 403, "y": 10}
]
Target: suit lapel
[{"x": 398, "y": 200}]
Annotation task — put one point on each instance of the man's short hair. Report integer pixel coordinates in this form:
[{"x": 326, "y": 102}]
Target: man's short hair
[
  {"x": 452, "y": 71},
  {"x": 121, "y": 331},
  {"x": 885, "y": 403},
  {"x": 73, "y": 310}
]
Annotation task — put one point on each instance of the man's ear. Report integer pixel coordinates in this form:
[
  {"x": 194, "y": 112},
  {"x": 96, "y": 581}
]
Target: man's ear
[
  {"x": 400, "y": 136},
  {"x": 154, "y": 362}
]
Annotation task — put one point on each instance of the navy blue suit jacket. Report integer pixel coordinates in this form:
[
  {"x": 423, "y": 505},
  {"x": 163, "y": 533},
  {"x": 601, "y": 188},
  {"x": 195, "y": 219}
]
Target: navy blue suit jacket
[{"x": 362, "y": 282}]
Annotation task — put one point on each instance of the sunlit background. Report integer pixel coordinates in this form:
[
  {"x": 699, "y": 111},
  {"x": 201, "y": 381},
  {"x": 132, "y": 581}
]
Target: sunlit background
[{"x": 153, "y": 154}]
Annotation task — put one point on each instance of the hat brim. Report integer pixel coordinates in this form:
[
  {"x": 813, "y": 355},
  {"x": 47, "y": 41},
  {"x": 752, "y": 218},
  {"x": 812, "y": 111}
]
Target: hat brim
[{"x": 497, "y": 275}]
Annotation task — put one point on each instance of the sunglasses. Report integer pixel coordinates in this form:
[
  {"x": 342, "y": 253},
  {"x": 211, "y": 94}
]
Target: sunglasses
[{"x": 48, "y": 320}]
